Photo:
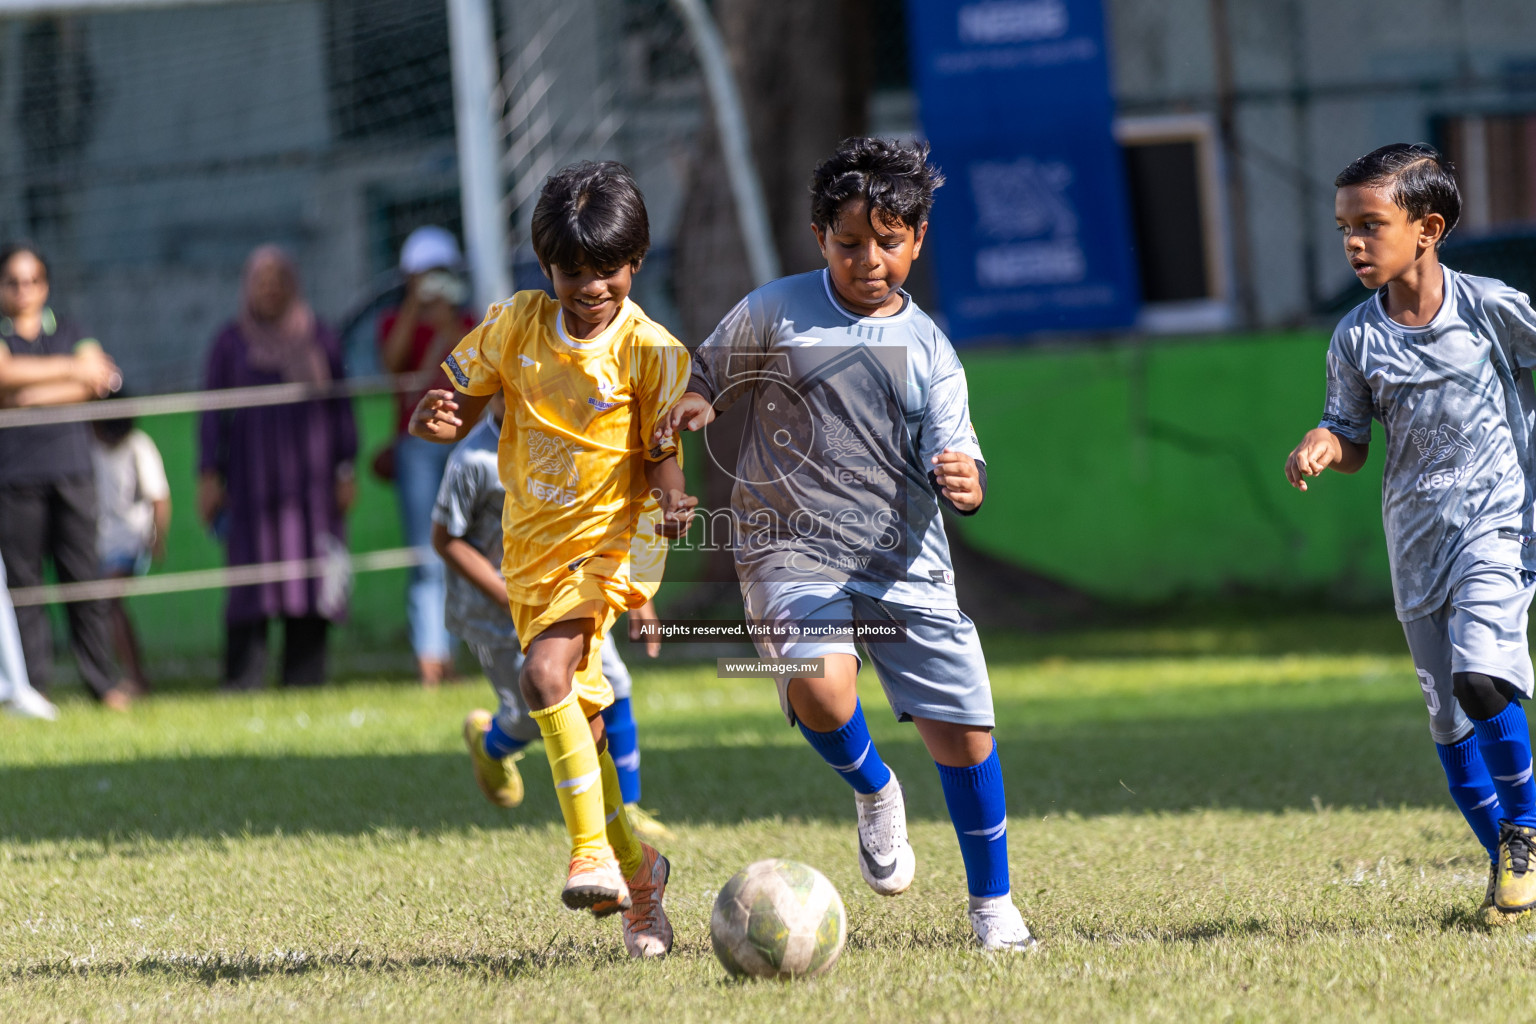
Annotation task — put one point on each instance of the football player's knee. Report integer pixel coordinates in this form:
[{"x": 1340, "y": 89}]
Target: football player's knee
[
  {"x": 544, "y": 682},
  {"x": 1482, "y": 696},
  {"x": 1449, "y": 724}
]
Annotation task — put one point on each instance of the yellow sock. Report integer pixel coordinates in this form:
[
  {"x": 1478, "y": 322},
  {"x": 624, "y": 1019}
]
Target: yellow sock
[
  {"x": 578, "y": 776},
  {"x": 620, "y": 836}
]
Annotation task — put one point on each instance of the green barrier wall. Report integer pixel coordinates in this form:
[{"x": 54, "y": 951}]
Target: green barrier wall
[
  {"x": 1147, "y": 470},
  {"x": 1138, "y": 471},
  {"x": 191, "y": 624}
]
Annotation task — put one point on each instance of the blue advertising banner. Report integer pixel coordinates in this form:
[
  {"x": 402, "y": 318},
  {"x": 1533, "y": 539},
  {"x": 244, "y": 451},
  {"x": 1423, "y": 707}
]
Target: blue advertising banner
[{"x": 1032, "y": 233}]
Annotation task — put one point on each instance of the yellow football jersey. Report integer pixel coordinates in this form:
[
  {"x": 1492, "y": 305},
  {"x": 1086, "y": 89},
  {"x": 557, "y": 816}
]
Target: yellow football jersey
[{"x": 580, "y": 415}]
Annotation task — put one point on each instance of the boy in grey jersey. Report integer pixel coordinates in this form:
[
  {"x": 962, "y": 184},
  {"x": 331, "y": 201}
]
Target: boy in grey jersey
[
  {"x": 857, "y": 428},
  {"x": 1443, "y": 360},
  {"x": 467, "y": 533}
]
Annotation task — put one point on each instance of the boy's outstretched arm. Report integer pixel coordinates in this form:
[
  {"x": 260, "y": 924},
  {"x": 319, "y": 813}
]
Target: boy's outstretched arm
[
  {"x": 691, "y": 412},
  {"x": 461, "y": 557},
  {"x": 446, "y": 416},
  {"x": 1321, "y": 449},
  {"x": 665, "y": 480}
]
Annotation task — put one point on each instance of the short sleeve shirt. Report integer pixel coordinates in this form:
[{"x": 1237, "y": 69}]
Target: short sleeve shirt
[
  {"x": 57, "y": 451},
  {"x": 420, "y": 350},
  {"x": 130, "y": 478},
  {"x": 1456, "y": 405},
  {"x": 469, "y": 504},
  {"x": 843, "y": 416},
  {"x": 580, "y": 415}
]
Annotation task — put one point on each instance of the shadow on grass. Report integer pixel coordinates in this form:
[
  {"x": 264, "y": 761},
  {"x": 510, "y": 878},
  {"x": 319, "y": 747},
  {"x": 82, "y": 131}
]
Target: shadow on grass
[
  {"x": 210, "y": 968},
  {"x": 1254, "y": 757}
]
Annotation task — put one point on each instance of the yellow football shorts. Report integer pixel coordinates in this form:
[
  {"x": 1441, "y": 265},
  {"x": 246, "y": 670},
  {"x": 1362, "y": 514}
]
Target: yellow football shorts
[{"x": 590, "y": 591}]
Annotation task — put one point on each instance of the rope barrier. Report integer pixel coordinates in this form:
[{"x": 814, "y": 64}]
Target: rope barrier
[
  {"x": 224, "y": 398},
  {"x": 205, "y": 401},
  {"x": 208, "y": 579}
]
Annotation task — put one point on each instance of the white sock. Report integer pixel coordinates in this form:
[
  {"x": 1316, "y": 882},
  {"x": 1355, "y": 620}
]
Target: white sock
[{"x": 991, "y": 902}]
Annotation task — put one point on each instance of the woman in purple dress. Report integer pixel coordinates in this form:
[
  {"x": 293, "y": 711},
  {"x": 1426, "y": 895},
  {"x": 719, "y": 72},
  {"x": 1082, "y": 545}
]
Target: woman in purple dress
[{"x": 276, "y": 481}]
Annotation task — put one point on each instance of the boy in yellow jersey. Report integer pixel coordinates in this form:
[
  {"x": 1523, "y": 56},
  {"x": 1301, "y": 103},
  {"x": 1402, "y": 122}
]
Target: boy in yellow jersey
[{"x": 587, "y": 376}]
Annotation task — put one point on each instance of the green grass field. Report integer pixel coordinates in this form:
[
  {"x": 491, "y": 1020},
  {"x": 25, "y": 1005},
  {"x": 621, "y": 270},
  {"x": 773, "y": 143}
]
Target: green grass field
[{"x": 1202, "y": 828}]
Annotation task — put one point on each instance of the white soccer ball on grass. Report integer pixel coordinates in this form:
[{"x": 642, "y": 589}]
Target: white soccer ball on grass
[{"x": 778, "y": 919}]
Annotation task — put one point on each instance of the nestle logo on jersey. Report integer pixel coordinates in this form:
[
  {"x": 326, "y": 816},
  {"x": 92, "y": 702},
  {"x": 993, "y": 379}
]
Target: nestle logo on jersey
[
  {"x": 1444, "y": 447},
  {"x": 1442, "y": 478},
  {"x": 861, "y": 475},
  {"x": 551, "y": 492}
]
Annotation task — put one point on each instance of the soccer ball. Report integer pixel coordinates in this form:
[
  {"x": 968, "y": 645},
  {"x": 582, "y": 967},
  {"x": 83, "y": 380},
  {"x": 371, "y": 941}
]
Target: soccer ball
[{"x": 778, "y": 919}]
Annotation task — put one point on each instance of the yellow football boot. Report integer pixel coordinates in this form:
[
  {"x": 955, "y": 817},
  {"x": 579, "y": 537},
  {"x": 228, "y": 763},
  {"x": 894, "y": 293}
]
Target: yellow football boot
[
  {"x": 1487, "y": 913},
  {"x": 1515, "y": 891},
  {"x": 645, "y": 824},
  {"x": 499, "y": 780}
]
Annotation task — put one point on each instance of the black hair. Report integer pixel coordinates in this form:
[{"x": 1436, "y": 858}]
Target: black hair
[
  {"x": 893, "y": 177},
  {"x": 111, "y": 432},
  {"x": 1415, "y": 175},
  {"x": 591, "y": 215},
  {"x": 15, "y": 248}
]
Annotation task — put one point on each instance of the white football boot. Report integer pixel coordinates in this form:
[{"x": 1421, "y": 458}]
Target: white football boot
[
  {"x": 28, "y": 703},
  {"x": 886, "y": 859},
  {"x": 999, "y": 926}
]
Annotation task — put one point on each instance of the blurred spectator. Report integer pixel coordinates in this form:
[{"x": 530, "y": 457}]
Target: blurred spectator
[
  {"x": 275, "y": 482},
  {"x": 47, "y": 487},
  {"x": 418, "y": 336},
  {"x": 135, "y": 502}
]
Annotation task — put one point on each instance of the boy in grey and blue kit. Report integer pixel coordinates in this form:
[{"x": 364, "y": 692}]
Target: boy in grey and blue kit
[
  {"x": 467, "y": 533},
  {"x": 857, "y": 434},
  {"x": 1443, "y": 360}
]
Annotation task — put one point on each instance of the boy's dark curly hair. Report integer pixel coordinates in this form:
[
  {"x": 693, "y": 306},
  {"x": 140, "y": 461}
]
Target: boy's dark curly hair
[
  {"x": 592, "y": 215},
  {"x": 1417, "y": 177},
  {"x": 894, "y": 177}
]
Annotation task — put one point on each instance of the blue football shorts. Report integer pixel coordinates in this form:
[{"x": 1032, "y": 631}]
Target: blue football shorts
[
  {"x": 1481, "y": 628},
  {"x": 938, "y": 672}
]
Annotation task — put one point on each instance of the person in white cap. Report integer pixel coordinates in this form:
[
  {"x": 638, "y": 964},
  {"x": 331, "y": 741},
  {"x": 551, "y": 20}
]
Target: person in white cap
[{"x": 430, "y": 321}]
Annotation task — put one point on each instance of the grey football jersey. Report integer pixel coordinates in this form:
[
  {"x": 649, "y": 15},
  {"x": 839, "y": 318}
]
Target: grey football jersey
[
  {"x": 839, "y": 416},
  {"x": 1456, "y": 404},
  {"x": 469, "y": 505}
]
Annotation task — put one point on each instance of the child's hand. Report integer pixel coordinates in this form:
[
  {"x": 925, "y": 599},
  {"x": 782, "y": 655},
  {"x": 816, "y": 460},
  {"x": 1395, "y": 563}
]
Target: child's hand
[
  {"x": 691, "y": 412},
  {"x": 210, "y": 497},
  {"x": 676, "y": 512},
  {"x": 96, "y": 370},
  {"x": 1318, "y": 450},
  {"x": 638, "y": 617},
  {"x": 434, "y": 418},
  {"x": 346, "y": 494},
  {"x": 958, "y": 479}
]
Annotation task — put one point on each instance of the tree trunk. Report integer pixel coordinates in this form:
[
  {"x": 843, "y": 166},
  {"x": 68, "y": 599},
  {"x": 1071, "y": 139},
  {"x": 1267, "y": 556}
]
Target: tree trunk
[{"x": 803, "y": 68}]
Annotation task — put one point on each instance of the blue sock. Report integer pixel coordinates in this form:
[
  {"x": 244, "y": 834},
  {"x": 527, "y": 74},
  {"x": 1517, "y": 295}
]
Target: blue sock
[
  {"x": 1472, "y": 790},
  {"x": 974, "y": 796},
  {"x": 852, "y": 753},
  {"x": 1505, "y": 743},
  {"x": 498, "y": 744},
  {"x": 624, "y": 745}
]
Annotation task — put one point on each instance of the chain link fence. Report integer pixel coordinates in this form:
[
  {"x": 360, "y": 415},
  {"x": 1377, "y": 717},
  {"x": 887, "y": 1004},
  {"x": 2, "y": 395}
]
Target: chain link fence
[{"x": 147, "y": 151}]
